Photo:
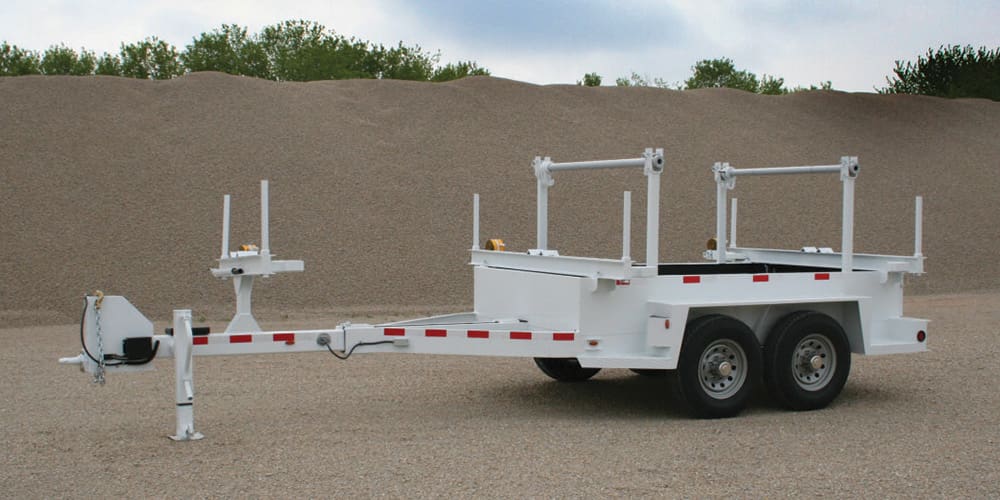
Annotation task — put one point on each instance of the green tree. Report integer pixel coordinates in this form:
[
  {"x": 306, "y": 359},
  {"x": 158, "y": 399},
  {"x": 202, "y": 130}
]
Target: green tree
[
  {"x": 108, "y": 64},
  {"x": 637, "y": 80},
  {"x": 590, "y": 80},
  {"x": 227, "y": 49},
  {"x": 400, "y": 63},
  {"x": 15, "y": 61},
  {"x": 151, "y": 58},
  {"x": 461, "y": 69},
  {"x": 305, "y": 51},
  {"x": 953, "y": 71},
  {"x": 824, "y": 85},
  {"x": 710, "y": 73},
  {"x": 770, "y": 85},
  {"x": 287, "y": 51},
  {"x": 62, "y": 60}
]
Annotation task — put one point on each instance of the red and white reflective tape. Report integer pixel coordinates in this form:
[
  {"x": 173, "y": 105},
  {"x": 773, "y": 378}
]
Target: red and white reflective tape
[
  {"x": 244, "y": 338},
  {"x": 480, "y": 334}
]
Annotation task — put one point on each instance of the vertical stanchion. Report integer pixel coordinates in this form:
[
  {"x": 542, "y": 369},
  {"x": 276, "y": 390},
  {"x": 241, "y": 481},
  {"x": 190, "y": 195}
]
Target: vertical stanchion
[
  {"x": 627, "y": 226},
  {"x": 542, "y": 222},
  {"x": 847, "y": 223},
  {"x": 652, "y": 208},
  {"x": 732, "y": 224},
  {"x": 475, "y": 221},
  {"x": 720, "y": 213},
  {"x": 918, "y": 230},
  {"x": 544, "y": 178},
  {"x": 184, "y": 377},
  {"x": 225, "y": 226},
  {"x": 265, "y": 243}
]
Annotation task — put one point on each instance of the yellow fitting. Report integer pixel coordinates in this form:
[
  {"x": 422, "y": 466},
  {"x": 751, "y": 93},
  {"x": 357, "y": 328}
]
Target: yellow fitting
[{"x": 495, "y": 244}]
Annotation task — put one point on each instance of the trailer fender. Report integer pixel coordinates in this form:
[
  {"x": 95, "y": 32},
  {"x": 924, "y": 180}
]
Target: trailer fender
[{"x": 665, "y": 322}]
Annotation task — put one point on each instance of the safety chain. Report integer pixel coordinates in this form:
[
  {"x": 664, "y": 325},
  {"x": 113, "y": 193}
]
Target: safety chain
[{"x": 99, "y": 373}]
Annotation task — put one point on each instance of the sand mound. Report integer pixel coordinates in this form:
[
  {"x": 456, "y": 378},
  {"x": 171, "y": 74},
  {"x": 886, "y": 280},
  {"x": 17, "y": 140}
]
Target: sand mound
[{"x": 117, "y": 184}]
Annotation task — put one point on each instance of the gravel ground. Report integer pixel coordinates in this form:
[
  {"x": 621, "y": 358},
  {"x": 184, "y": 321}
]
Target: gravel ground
[{"x": 404, "y": 426}]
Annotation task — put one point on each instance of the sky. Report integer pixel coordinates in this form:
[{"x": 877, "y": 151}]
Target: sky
[{"x": 851, "y": 43}]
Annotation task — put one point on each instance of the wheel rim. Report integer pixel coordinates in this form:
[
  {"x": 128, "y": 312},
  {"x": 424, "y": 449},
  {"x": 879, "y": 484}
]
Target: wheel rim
[
  {"x": 814, "y": 362},
  {"x": 722, "y": 369}
]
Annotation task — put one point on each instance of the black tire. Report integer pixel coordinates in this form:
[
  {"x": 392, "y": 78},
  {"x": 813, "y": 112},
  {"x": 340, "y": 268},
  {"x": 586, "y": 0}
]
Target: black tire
[
  {"x": 807, "y": 360},
  {"x": 650, "y": 372},
  {"x": 719, "y": 363},
  {"x": 565, "y": 369}
]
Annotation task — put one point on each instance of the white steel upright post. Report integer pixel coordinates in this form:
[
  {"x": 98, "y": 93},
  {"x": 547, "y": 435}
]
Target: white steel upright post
[
  {"x": 848, "y": 171},
  {"x": 475, "y": 221},
  {"x": 265, "y": 243},
  {"x": 225, "y": 227},
  {"x": 918, "y": 230},
  {"x": 653, "y": 205},
  {"x": 184, "y": 377},
  {"x": 542, "y": 217},
  {"x": 542, "y": 222},
  {"x": 720, "y": 210},
  {"x": 732, "y": 223},
  {"x": 627, "y": 227}
]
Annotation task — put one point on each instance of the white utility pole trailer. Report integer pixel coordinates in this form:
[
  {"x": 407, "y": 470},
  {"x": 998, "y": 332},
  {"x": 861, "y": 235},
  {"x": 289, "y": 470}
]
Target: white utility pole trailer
[{"x": 791, "y": 318}]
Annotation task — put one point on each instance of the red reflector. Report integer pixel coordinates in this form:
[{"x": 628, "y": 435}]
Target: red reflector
[
  {"x": 200, "y": 340},
  {"x": 921, "y": 336},
  {"x": 563, "y": 336},
  {"x": 692, "y": 279},
  {"x": 395, "y": 332},
  {"x": 479, "y": 334},
  {"x": 760, "y": 278},
  {"x": 287, "y": 338},
  {"x": 822, "y": 276},
  {"x": 623, "y": 282},
  {"x": 240, "y": 339},
  {"x": 520, "y": 335},
  {"x": 435, "y": 333},
  {"x": 666, "y": 324}
]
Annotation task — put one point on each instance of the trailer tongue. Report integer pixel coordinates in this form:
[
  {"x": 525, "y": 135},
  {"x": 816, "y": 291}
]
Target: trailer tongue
[{"x": 789, "y": 317}]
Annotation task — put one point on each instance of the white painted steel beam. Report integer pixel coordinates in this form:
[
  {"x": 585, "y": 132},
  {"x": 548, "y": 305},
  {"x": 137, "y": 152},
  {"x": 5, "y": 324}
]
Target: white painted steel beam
[
  {"x": 560, "y": 264},
  {"x": 265, "y": 229},
  {"x": 581, "y": 165},
  {"x": 225, "y": 227},
  {"x": 475, "y": 221},
  {"x": 918, "y": 230},
  {"x": 860, "y": 261},
  {"x": 627, "y": 226}
]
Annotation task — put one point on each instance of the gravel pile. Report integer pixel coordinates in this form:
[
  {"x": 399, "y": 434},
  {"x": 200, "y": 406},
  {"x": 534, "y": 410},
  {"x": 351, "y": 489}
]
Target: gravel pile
[{"x": 117, "y": 183}]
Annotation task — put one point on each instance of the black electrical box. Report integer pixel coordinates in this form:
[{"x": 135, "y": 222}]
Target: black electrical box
[{"x": 138, "y": 348}]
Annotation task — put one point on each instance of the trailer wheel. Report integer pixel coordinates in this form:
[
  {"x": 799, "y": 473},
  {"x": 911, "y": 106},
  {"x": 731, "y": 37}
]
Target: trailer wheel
[
  {"x": 565, "y": 369},
  {"x": 719, "y": 362},
  {"x": 808, "y": 359}
]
